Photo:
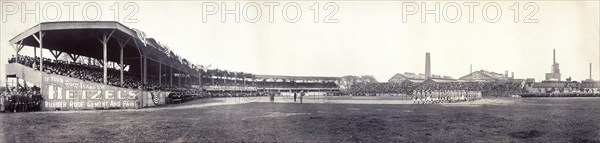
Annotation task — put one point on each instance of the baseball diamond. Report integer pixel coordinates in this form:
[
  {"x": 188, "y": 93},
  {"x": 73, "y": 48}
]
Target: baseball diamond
[{"x": 107, "y": 82}]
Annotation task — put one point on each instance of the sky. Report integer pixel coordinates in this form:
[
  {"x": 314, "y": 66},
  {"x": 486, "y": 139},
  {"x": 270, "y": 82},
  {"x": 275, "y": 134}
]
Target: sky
[{"x": 362, "y": 38}]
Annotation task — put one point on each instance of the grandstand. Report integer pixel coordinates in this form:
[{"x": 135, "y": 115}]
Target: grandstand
[
  {"x": 125, "y": 69},
  {"x": 215, "y": 79},
  {"x": 103, "y": 43}
]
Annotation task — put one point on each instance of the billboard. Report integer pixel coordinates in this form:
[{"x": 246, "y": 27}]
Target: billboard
[{"x": 64, "y": 93}]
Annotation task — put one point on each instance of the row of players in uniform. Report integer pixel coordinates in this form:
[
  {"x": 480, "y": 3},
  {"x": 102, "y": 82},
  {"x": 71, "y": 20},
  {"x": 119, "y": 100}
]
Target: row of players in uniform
[{"x": 444, "y": 96}]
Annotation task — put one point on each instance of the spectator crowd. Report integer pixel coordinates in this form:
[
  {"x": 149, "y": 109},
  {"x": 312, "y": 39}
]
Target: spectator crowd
[
  {"x": 486, "y": 88},
  {"x": 94, "y": 73},
  {"x": 182, "y": 93}
]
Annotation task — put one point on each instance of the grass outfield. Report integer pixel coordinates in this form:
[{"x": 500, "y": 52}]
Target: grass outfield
[{"x": 530, "y": 120}]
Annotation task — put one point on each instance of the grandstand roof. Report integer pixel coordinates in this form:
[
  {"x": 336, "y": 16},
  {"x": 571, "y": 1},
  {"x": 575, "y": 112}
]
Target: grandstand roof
[
  {"x": 83, "y": 38},
  {"x": 296, "y": 77}
]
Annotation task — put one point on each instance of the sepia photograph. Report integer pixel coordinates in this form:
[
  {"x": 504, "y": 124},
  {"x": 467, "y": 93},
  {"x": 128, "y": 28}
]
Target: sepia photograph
[{"x": 303, "y": 71}]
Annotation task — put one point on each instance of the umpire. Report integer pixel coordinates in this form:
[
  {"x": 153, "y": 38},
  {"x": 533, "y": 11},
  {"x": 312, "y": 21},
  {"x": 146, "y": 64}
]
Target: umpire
[{"x": 295, "y": 96}]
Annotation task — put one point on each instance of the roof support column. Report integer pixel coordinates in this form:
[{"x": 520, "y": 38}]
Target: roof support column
[
  {"x": 122, "y": 67},
  {"x": 141, "y": 52},
  {"x": 171, "y": 76},
  {"x": 18, "y": 48},
  {"x": 160, "y": 74},
  {"x": 34, "y": 52},
  {"x": 145, "y": 70},
  {"x": 141, "y": 68},
  {"x": 39, "y": 39},
  {"x": 105, "y": 69},
  {"x": 104, "y": 42}
]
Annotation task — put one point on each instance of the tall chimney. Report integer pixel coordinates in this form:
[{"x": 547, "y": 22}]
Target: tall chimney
[
  {"x": 553, "y": 56},
  {"x": 470, "y": 68},
  {"x": 590, "y": 71},
  {"x": 512, "y": 75},
  {"x": 506, "y": 74},
  {"x": 427, "y": 65}
]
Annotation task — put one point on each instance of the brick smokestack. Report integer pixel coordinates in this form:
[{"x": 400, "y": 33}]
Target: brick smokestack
[
  {"x": 553, "y": 56},
  {"x": 427, "y": 65},
  {"x": 471, "y": 68}
]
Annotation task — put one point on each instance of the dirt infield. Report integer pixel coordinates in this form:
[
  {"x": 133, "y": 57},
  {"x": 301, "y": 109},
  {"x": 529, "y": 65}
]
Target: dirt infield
[{"x": 231, "y": 120}]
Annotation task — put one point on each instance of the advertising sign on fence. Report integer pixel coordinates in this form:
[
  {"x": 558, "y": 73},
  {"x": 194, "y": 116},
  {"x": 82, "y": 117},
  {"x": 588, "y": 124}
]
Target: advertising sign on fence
[{"x": 64, "y": 93}]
